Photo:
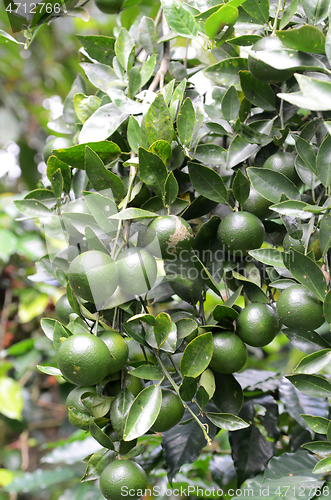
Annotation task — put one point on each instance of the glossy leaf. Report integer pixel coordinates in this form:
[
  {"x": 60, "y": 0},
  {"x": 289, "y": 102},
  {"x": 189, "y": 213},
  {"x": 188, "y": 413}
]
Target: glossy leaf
[
  {"x": 120, "y": 409},
  {"x": 227, "y": 421},
  {"x": 97, "y": 463},
  {"x": 312, "y": 385},
  {"x": 318, "y": 447},
  {"x": 32, "y": 208},
  {"x": 197, "y": 355},
  {"x": 124, "y": 49},
  {"x": 147, "y": 35},
  {"x": 225, "y": 15},
  {"x": 307, "y": 272},
  {"x": 143, "y": 412},
  {"x": 240, "y": 187},
  {"x": 222, "y": 312},
  {"x": 99, "y": 47},
  {"x": 287, "y": 59},
  {"x": 162, "y": 327},
  {"x": 269, "y": 256},
  {"x": 208, "y": 183},
  {"x": 103, "y": 123},
  {"x": 185, "y": 122},
  {"x": 323, "y": 161},
  {"x": 258, "y": 93},
  {"x": 305, "y": 38},
  {"x": 304, "y": 341},
  {"x": 226, "y": 72},
  {"x": 152, "y": 171},
  {"x": 60, "y": 332},
  {"x": 324, "y": 235},
  {"x": 315, "y": 11},
  {"x": 162, "y": 149},
  {"x": 210, "y": 154},
  {"x": 171, "y": 189},
  {"x": 158, "y": 121},
  {"x": 132, "y": 214},
  {"x": 259, "y": 9},
  {"x": 188, "y": 388},
  {"x": 292, "y": 209},
  {"x": 327, "y": 307},
  {"x": 74, "y": 156},
  {"x": 100, "y": 178},
  {"x": 148, "y": 372},
  {"x": 271, "y": 185},
  {"x": 288, "y": 13},
  {"x": 102, "y": 207},
  {"x": 54, "y": 164},
  {"x": 230, "y": 103},
  {"x": 11, "y": 398},
  {"x": 85, "y": 106},
  {"x": 207, "y": 381},
  {"x": 49, "y": 370},
  {"x": 100, "y": 436},
  {"x": 314, "y": 94},
  {"x": 185, "y": 327},
  {"x": 314, "y": 362},
  {"x": 323, "y": 466},
  {"x": 180, "y": 20}
]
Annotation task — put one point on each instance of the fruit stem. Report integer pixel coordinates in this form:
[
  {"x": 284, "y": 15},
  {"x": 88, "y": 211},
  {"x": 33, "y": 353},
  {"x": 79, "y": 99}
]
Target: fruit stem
[
  {"x": 279, "y": 6},
  {"x": 176, "y": 388}
]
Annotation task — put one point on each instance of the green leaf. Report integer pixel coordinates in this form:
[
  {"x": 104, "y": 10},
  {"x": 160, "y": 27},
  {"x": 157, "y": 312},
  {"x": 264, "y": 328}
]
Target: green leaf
[
  {"x": 99, "y": 47},
  {"x": 245, "y": 40},
  {"x": 11, "y": 398},
  {"x": 158, "y": 121},
  {"x": 53, "y": 164},
  {"x": 135, "y": 135},
  {"x": 323, "y": 466},
  {"x": 185, "y": 327},
  {"x": 97, "y": 463},
  {"x": 323, "y": 161},
  {"x": 318, "y": 447},
  {"x": 230, "y": 104},
  {"x": 207, "y": 381},
  {"x": 271, "y": 185},
  {"x": 85, "y": 106},
  {"x": 4, "y": 37},
  {"x": 208, "y": 183},
  {"x": 57, "y": 183},
  {"x": 124, "y": 49},
  {"x": 327, "y": 307},
  {"x": 133, "y": 213},
  {"x": 161, "y": 149},
  {"x": 324, "y": 235},
  {"x": 147, "y": 70},
  {"x": 313, "y": 362},
  {"x": 227, "y": 421},
  {"x": 45, "y": 196},
  {"x": 226, "y": 72},
  {"x": 147, "y": 35},
  {"x": 259, "y": 9},
  {"x": 100, "y": 178},
  {"x": 306, "y": 38},
  {"x": 186, "y": 122},
  {"x": 32, "y": 208},
  {"x": 120, "y": 409},
  {"x": 60, "y": 332},
  {"x": 180, "y": 20},
  {"x": 148, "y": 372},
  {"x": 74, "y": 156},
  {"x": 171, "y": 189},
  {"x": 312, "y": 385},
  {"x": 315, "y": 11},
  {"x": 188, "y": 388},
  {"x": 314, "y": 94},
  {"x": 269, "y": 256},
  {"x": 240, "y": 187},
  {"x": 101, "y": 207},
  {"x": 307, "y": 272},
  {"x": 292, "y": 209},
  {"x": 258, "y": 93},
  {"x": 225, "y": 15},
  {"x": 103, "y": 123},
  {"x": 288, "y": 13},
  {"x": 143, "y": 412},
  {"x": 134, "y": 82},
  {"x": 100, "y": 436},
  {"x": 152, "y": 171},
  {"x": 222, "y": 312},
  {"x": 307, "y": 342},
  {"x": 210, "y": 154},
  {"x": 287, "y": 59},
  {"x": 49, "y": 370},
  {"x": 48, "y": 325},
  {"x": 162, "y": 327},
  {"x": 197, "y": 355},
  {"x": 306, "y": 153}
]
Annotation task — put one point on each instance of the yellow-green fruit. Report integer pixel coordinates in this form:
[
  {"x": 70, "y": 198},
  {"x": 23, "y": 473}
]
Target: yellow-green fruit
[
  {"x": 229, "y": 353},
  {"x": 283, "y": 163},
  {"x": 63, "y": 309},
  {"x": 263, "y": 71},
  {"x": 257, "y": 205},
  {"x": 171, "y": 412},
  {"x": 109, "y": 6},
  {"x": 84, "y": 359},
  {"x": 56, "y": 143},
  {"x": 240, "y": 232},
  {"x": 93, "y": 275},
  {"x": 167, "y": 236},
  {"x": 137, "y": 271},
  {"x": 290, "y": 243},
  {"x": 298, "y": 308},
  {"x": 118, "y": 350},
  {"x": 258, "y": 324},
  {"x": 121, "y": 477}
]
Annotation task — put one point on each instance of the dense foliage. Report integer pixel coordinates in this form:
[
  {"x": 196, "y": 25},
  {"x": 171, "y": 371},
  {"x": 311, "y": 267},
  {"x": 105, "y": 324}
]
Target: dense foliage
[{"x": 190, "y": 218}]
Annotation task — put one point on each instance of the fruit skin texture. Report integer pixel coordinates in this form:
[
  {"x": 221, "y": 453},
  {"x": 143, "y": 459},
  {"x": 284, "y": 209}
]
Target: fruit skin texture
[
  {"x": 240, "y": 232},
  {"x": 84, "y": 359},
  {"x": 298, "y": 308},
  {"x": 63, "y": 309},
  {"x": 257, "y": 205},
  {"x": 137, "y": 271},
  {"x": 263, "y": 71},
  {"x": 93, "y": 275},
  {"x": 258, "y": 324},
  {"x": 171, "y": 412},
  {"x": 56, "y": 143},
  {"x": 229, "y": 353},
  {"x": 167, "y": 236},
  {"x": 122, "y": 474},
  {"x": 109, "y": 6},
  {"x": 118, "y": 350},
  {"x": 284, "y": 164}
]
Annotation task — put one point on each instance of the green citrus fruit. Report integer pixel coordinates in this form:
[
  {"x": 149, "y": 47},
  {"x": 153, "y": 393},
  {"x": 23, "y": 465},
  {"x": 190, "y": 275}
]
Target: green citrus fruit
[
  {"x": 63, "y": 309},
  {"x": 284, "y": 164},
  {"x": 229, "y": 353},
  {"x": 109, "y": 6},
  {"x": 74, "y": 399},
  {"x": 56, "y": 143},
  {"x": 290, "y": 243},
  {"x": 93, "y": 275},
  {"x": 263, "y": 71},
  {"x": 84, "y": 359},
  {"x": 168, "y": 235},
  {"x": 257, "y": 205},
  {"x": 171, "y": 412},
  {"x": 134, "y": 384},
  {"x": 118, "y": 350},
  {"x": 123, "y": 477},
  {"x": 258, "y": 324},
  {"x": 240, "y": 232},
  {"x": 298, "y": 308},
  {"x": 137, "y": 271}
]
